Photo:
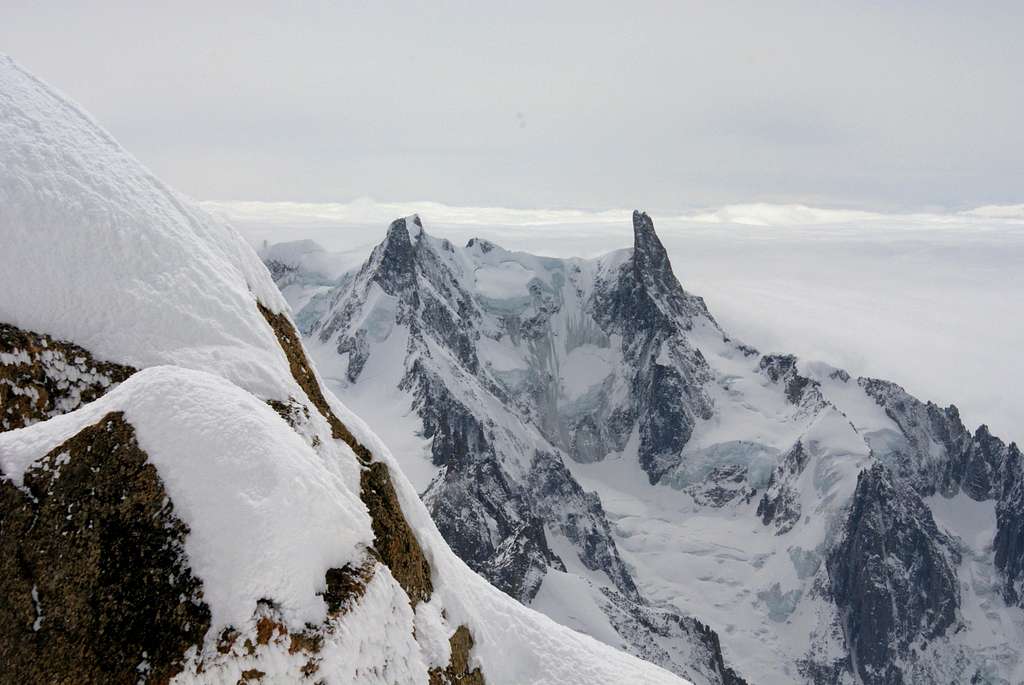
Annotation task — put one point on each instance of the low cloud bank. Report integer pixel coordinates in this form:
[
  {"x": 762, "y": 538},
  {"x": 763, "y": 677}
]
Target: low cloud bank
[{"x": 367, "y": 211}]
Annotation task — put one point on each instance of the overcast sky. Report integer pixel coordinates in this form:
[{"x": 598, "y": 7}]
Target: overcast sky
[{"x": 663, "y": 105}]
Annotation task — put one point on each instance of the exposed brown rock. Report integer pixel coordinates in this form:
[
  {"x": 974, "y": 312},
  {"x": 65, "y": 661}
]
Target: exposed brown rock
[
  {"x": 347, "y": 585},
  {"x": 310, "y": 667},
  {"x": 265, "y": 629},
  {"x": 303, "y": 374},
  {"x": 457, "y": 670},
  {"x": 291, "y": 411},
  {"x": 250, "y": 675},
  {"x": 270, "y": 629},
  {"x": 309, "y": 642},
  {"x": 227, "y": 640},
  {"x": 393, "y": 539},
  {"x": 43, "y": 377},
  {"x": 93, "y": 577}
]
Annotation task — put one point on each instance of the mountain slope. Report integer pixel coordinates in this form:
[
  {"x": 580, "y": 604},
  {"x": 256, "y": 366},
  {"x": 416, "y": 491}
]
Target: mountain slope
[
  {"x": 180, "y": 497},
  {"x": 588, "y": 438}
]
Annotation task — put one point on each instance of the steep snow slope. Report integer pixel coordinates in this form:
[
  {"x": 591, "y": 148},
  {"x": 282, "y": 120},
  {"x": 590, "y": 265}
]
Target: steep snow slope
[
  {"x": 735, "y": 486},
  {"x": 217, "y": 516}
]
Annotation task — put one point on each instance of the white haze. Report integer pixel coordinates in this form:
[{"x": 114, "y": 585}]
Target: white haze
[
  {"x": 903, "y": 105},
  {"x": 934, "y": 302}
]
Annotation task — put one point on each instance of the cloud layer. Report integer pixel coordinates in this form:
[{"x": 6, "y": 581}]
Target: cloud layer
[{"x": 669, "y": 105}]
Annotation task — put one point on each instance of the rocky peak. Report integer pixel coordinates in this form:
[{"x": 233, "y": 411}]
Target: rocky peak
[
  {"x": 893, "y": 577},
  {"x": 641, "y": 284},
  {"x": 484, "y": 246},
  {"x": 1009, "y": 540},
  {"x": 976, "y": 468},
  {"x": 649, "y": 255},
  {"x": 647, "y": 280},
  {"x": 279, "y": 270},
  {"x": 396, "y": 261}
]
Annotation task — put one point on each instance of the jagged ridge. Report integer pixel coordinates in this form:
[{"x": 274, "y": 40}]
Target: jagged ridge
[{"x": 611, "y": 361}]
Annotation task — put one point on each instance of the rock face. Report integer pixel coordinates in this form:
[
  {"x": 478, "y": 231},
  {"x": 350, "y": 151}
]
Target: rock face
[
  {"x": 780, "y": 505},
  {"x": 644, "y": 304},
  {"x": 800, "y": 390},
  {"x": 559, "y": 502},
  {"x": 587, "y": 424},
  {"x": 1009, "y": 541},
  {"x": 939, "y": 455},
  {"x": 458, "y": 669},
  {"x": 893, "y": 577},
  {"x": 502, "y": 494},
  {"x": 487, "y": 520},
  {"x": 95, "y": 581},
  {"x": 41, "y": 377},
  {"x": 638, "y": 623}
]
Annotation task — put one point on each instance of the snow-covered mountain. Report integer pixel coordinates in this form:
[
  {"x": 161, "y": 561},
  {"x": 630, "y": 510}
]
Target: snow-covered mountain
[
  {"x": 587, "y": 437},
  {"x": 181, "y": 498}
]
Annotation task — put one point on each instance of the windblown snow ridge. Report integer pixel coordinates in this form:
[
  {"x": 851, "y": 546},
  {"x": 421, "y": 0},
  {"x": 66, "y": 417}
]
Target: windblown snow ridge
[{"x": 187, "y": 469}]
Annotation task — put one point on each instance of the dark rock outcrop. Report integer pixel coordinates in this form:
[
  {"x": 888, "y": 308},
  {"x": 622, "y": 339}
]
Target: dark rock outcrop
[
  {"x": 644, "y": 303},
  {"x": 395, "y": 272},
  {"x": 457, "y": 434},
  {"x": 394, "y": 542},
  {"x": 279, "y": 271},
  {"x": 1009, "y": 540},
  {"x": 723, "y": 485},
  {"x": 780, "y": 504},
  {"x": 938, "y": 453},
  {"x": 892, "y": 577},
  {"x": 426, "y": 292},
  {"x": 457, "y": 672},
  {"x": 347, "y": 585},
  {"x": 782, "y": 368},
  {"x": 637, "y": 622},
  {"x": 302, "y": 371},
  {"x": 41, "y": 377},
  {"x": 665, "y": 423},
  {"x": 93, "y": 574},
  {"x": 578, "y": 515},
  {"x": 393, "y": 539},
  {"x": 486, "y": 519},
  {"x": 977, "y": 469}
]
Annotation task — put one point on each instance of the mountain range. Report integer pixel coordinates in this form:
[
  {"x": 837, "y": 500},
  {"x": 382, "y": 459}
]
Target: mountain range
[
  {"x": 448, "y": 463},
  {"x": 587, "y": 437}
]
